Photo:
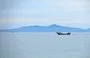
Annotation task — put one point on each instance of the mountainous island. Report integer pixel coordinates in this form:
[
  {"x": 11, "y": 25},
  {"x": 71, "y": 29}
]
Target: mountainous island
[{"x": 50, "y": 28}]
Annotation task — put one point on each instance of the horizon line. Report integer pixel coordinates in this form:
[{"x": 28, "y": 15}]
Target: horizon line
[{"x": 43, "y": 26}]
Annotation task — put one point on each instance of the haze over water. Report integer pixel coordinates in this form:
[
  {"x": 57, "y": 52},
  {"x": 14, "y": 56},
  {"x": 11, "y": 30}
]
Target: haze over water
[{"x": 44, "y": 45}]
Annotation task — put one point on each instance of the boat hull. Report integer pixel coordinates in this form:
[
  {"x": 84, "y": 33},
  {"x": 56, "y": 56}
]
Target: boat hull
[{"x": 59, "y": 33}]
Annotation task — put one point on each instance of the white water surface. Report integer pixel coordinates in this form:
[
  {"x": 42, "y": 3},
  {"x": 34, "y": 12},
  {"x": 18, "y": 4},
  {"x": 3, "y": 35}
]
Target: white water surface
[{"x": 44, "y": 45}]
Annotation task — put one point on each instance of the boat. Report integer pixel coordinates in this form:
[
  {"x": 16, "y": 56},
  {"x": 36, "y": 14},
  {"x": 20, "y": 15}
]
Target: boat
[{"x": 60, "y": 33}]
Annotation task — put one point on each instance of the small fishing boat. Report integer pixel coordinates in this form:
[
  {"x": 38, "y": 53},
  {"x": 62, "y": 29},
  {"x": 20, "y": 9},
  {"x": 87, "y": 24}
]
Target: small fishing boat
[{"x": 60, "y": 33}]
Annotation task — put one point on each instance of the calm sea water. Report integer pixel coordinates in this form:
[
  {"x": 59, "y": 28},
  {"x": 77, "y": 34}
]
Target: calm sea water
[{"x": 44, "y": 45}]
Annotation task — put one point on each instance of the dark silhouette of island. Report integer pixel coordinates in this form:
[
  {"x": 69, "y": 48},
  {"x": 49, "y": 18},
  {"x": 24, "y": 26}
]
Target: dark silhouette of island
[{"x": 51, "y": 28}]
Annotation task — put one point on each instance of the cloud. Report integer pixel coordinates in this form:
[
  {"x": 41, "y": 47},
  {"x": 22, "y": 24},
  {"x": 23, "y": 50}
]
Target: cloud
[{"x": 26, "y": 12}]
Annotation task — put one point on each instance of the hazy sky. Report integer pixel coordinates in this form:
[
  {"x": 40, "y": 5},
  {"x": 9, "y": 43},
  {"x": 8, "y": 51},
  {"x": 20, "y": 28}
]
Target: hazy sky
[{"x": 16, "y": 13}]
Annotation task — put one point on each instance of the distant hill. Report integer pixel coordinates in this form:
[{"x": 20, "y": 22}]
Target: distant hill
[{"x": 51, "y": 28}]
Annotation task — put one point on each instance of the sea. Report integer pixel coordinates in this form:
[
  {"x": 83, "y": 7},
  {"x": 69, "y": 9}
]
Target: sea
[{"x": 44, "y": 45}]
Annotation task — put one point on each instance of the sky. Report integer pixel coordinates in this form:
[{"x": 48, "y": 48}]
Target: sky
[{"x": 17, "y": 13}]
